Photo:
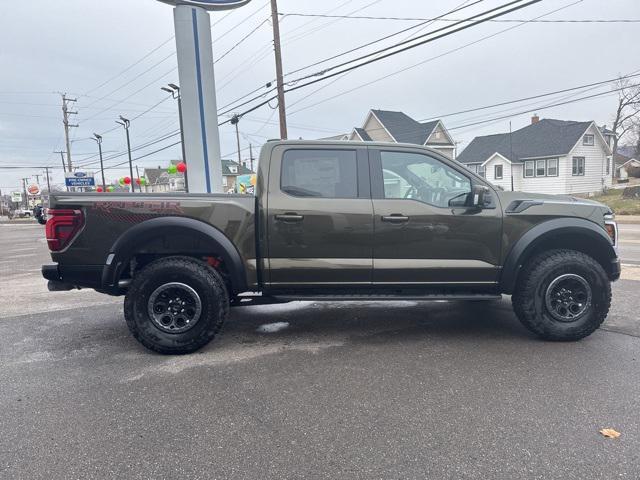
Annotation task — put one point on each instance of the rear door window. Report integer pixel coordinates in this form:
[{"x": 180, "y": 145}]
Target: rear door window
[{"x": 320, "y": 173}]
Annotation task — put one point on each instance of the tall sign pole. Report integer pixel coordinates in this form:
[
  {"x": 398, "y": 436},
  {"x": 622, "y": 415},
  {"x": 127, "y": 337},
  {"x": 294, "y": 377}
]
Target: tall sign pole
[{"x": 197, "y": 90}]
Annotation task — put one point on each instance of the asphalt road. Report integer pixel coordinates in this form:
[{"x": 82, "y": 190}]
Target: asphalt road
[{"x": 357, "y": 390}]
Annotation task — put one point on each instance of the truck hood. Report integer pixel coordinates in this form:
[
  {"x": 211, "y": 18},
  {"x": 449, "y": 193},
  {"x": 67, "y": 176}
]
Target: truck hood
[
  {"x": 507, "y": 197},
  {"x": 550, "y": 206}
]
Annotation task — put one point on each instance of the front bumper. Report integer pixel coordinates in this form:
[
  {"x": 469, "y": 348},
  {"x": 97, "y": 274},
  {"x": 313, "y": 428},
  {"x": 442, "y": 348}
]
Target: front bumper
[{"x": 616, "y": 268}]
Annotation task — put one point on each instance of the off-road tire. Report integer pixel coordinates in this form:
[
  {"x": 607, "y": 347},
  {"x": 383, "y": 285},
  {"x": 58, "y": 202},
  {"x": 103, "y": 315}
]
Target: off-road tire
[
  {"x": 529, "y": 297},
  {"x": 209, "y": 286}
]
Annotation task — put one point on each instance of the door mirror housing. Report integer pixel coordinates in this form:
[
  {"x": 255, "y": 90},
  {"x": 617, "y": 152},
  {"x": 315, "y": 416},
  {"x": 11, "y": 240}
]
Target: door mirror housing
[{"x": 478, "y": 197}]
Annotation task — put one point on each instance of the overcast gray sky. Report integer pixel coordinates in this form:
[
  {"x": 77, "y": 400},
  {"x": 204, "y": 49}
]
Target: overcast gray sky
[{"x": 83, "y": 47}]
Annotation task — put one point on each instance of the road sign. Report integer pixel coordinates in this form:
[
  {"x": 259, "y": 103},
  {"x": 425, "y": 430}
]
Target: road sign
[
  {"x": 33, "y": 190},
  {"x": 79, "y": 179},
  {"x": 209, "y": 4},
  {"x": 16, "y": 197}
]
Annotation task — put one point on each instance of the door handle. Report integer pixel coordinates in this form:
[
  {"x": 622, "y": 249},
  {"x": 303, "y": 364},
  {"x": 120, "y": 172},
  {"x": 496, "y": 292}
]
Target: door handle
[
  {"x": 289, "y": 218},
  {"x": 395, "y": 218}
]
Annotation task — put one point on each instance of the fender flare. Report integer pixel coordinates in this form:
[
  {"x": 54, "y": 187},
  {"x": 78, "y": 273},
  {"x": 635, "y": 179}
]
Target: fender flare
[
  {"x": 544, "y": 231},
  {"x": 122, "y": 251}
]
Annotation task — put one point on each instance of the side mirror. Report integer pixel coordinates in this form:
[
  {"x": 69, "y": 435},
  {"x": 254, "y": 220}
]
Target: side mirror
[{"x": 478, "y": 196}]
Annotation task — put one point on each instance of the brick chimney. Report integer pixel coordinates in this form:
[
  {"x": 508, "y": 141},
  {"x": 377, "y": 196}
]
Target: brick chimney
[{"x": 535, "y": 118}]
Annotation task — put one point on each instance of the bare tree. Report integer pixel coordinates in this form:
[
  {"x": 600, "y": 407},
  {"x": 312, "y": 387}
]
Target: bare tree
[{"x": 627, "y": 114}]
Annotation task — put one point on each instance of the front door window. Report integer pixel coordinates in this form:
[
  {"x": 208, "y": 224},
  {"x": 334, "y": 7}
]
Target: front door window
[{"x": 414, "y": 176}]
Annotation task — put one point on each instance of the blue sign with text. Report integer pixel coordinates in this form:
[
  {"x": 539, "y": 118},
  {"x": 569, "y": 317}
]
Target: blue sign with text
[{"x": 79, "y": 179}]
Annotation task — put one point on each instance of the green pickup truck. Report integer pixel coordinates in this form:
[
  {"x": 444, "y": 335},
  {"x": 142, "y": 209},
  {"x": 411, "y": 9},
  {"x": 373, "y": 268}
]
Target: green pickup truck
[{"x": 336, "y": 221}]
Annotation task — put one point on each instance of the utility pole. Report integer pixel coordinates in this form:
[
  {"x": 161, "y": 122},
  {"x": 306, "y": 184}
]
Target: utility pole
[
  {"x": 279, "y": 75},
  {"x": 65, "y": 120},
  {"x": 46, "y": 169},
  {"x": 24, "y": 188},
  {"x": 98, "y": 139},
  {"x": 37, "y": 179},
  {"x": 235, "y": 120},
  {"x": 511, "y": 153},
  {"x": 138, "y": 178},
  {"x": 251, "y": 156},
  {"x": 64, "y": 168},
  {"x": 174, "y": 90},
  {"x": 126, "y": 123}
]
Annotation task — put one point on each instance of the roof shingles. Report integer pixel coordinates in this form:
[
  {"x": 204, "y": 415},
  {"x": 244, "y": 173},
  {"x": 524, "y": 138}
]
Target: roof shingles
[
  {"x": 403, "y": 128},
  {"x": 542, "y": 139}
]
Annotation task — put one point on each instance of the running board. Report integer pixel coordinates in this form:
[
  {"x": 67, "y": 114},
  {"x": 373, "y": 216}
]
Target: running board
[{"x": 388, "y": 297}]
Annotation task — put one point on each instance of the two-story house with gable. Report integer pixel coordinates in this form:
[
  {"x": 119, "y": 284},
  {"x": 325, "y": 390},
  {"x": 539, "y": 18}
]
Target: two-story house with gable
[
  {"x": 398, "y": 127},
  {"x": 547, "y": 156}
]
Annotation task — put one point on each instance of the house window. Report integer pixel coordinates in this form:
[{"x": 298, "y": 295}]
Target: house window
[
  {"x": 497, "y": 172},
  {"x": 578, "y": 166},
  {"x": 588, "y": 140},
  {"x": 529, "y": 169},
  {"x": 473, "y": 168},
  {"x": 552, "y": 167},
  {"x": 608, "y": 165},
  {"x": 481, "y": 171},
  {"x": 541, "y": 168}
]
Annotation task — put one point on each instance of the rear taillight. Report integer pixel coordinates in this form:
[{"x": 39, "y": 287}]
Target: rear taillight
[{"x": 62, "y": 227}]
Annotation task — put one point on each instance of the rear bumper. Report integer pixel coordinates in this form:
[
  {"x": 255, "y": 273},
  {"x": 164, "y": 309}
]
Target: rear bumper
[{"x": 74, "y": 276}]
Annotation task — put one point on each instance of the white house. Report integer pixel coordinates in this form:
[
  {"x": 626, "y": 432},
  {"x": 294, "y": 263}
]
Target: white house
[
  {"x": 397, "y": 127},
  {"x": 548, "y": 156},
  {"x": 623, "y": 165}
]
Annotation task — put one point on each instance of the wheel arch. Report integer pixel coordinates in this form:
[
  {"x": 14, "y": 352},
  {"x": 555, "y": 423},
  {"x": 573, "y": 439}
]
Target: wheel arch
[
  {"x": 560, "y": 233},
  {"x": 173, "y": 236}
]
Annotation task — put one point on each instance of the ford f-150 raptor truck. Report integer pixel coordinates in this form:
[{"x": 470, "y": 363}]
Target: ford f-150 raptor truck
[{"x": 336, "y": 221}]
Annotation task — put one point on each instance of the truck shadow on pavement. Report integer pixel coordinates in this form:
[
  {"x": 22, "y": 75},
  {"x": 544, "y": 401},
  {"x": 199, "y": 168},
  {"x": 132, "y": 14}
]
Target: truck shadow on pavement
[
  {"x": 271, "y": 329},
  {"x": 375, "y": 322}
]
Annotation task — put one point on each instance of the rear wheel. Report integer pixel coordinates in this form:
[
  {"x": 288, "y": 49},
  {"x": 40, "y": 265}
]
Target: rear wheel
[
  {"x": 562, "y": 295},
  {"x": 176, "y": 305}
]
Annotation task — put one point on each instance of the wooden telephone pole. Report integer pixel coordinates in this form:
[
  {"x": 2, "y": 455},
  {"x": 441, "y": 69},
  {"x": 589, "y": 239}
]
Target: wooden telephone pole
[
  {"x": 65, "y": 121},
  {"x": 279, "y": 75}
]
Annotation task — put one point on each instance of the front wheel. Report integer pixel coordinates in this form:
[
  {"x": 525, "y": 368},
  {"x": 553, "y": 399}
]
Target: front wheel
[
  {"x": 562, "y": 295},
  {"x": 176, "y": 305}
]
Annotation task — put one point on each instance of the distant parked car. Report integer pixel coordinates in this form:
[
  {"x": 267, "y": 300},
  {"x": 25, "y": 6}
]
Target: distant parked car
[{"x": 22, "y": 213}]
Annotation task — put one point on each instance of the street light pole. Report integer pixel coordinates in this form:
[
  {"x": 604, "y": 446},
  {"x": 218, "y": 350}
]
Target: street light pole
[
  {"x": 235, "y": 120},
  {"x": 126, "y": 123},
  {"x": 174, "y": 90},
  {"x": 98, "y": 139}
]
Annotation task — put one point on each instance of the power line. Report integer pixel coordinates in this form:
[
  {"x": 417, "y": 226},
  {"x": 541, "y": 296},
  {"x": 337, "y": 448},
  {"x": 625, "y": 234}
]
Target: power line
[
  {"x": 595, "y": 95},
  {"x": 423, "y": 62},
  {"x": 417, "y": 19},
  {"x": 239, "y": 42},
  {"x": 409, "y": 45},
  {"x": 324, "y": 77},
  {"x": 386, "y": 37},
  {"x": 533, "y": 97}
]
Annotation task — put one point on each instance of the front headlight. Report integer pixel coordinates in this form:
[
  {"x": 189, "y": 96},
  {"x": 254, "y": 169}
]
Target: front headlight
[{"x": 612, "y": 228}]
